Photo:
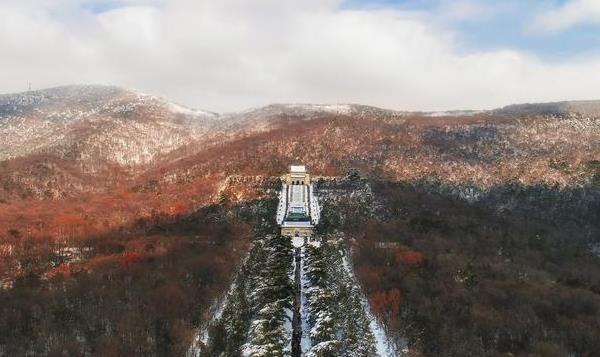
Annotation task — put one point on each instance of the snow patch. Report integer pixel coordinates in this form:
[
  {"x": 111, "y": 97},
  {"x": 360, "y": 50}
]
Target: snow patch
[
  {"x": 180, "y": 109},
  {"x": 385, "y": 348},
  {"x": 305, "y": 342},
  {"x": 595, "y": 249},
  {"x": 297, "y": 242},
  {"x": 453, "y": 113}
]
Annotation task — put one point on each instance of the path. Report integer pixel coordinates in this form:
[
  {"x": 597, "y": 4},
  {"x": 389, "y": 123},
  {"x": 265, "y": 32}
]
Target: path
[{"x": 297, "y": 320}]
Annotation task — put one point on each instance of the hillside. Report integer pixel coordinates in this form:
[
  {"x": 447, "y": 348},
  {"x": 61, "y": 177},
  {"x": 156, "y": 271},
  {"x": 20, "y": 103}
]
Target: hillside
[
  {"x": 68, "y": 140},
  {"x": 95, "y": 138},
  {"x": 96, "y": 123},
  {"x": 125, "y": 217},
  {"x": 584, "y": 107}
]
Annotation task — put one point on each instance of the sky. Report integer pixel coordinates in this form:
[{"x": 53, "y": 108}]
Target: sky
[{"x": 229, "y": 55}]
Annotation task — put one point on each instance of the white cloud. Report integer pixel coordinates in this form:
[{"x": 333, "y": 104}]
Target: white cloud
[
  {"x": 232, "y": 54},
  {"x": 573, "y": 12}
]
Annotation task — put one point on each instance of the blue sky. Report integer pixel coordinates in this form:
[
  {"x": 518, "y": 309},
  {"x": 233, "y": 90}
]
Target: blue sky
[
  {"x": 503, "y": 24},
  {"x": 100, "y": 6},
  {"x": 492, "y": 24}
]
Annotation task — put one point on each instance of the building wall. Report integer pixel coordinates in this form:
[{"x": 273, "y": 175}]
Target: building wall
[
  {"x": 294, "y": 178},
  {"x": 300, "y": 231},
  {"x": 297, "y": 177}
]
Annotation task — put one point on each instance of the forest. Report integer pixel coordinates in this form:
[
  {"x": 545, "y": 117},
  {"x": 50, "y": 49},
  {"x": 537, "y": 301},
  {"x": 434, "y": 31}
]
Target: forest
[
  {"x": 144, "y": 291},
  {"x": 124, "y": 224},
  {"x": 462, "y": 278}
]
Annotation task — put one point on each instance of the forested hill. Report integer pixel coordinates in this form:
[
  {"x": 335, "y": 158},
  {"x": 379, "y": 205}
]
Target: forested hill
[{"x": 125, "y": 218}]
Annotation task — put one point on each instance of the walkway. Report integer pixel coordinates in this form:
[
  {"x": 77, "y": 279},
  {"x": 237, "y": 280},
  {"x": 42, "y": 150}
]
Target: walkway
[{"x": 297, "y": 319}]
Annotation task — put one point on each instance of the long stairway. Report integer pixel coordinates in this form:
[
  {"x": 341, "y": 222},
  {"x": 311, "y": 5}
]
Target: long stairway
[{"x": 297, "y": 319}]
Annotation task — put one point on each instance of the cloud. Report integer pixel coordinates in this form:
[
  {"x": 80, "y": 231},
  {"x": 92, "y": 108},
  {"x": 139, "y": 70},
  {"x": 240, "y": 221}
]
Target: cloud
[
  {"x": 572, "y": 13},
  {"x": 232, "y": 54},
  {"x": 463, "y": 10}
]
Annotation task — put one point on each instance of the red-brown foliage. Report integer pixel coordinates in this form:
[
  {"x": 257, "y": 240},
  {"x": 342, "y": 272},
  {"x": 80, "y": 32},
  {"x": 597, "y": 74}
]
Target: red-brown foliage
[
  {"x": 63, "y": 270},
  {"x": 475, "y": 279},
  {"x": 178, "y": 209},
  {"x": 409, "y": 258},
  {"x": 130, "y": 258},
  {"x": 370, "y": 275},
  {"x": 119, "y": 278},
  {"x": 386, "y": 304}
]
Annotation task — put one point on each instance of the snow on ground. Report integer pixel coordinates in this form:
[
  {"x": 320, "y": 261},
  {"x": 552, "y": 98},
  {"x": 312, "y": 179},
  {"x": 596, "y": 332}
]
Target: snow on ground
[
  {"x": 385, "y": 348},
  {"x": 288, "y": 328},
  {"x": 305, "y": 342},
  {"x": 216, "y": 311},
  {"x": 281, "y": 207},
  {"x": 595, "y": 249},
  {"x": 180, "y": 109},
  {"x": 288, "y": 324},
  {"x": 315, "y": 243},
  {"x": 315, "y": 209},
  {"x": 201, "y": 337},
  {"x": 297, "y": 242},
  {"x": 327, "y": 108},
  {"x": 453, "y": 113}
]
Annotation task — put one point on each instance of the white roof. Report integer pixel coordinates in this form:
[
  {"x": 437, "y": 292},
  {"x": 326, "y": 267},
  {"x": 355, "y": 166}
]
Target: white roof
[
  {"x": 291, "y": 224},
  {"x": 297, "y": 168}
]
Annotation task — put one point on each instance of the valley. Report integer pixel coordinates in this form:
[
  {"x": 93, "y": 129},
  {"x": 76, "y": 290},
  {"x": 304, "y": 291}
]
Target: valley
[
  {"x": 131, "y": 226},
  {"x": 319, "y": 311}
]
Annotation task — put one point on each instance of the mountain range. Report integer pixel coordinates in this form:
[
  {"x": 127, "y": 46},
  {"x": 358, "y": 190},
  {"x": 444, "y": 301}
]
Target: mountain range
[
  {"x": 95, "y": 137},
  {"x": 114, "y": 203}
]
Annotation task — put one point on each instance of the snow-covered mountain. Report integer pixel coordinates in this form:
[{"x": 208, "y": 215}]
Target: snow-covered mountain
[
  {"x": 585, "y": 107},
  {"x": 91, "y": 123},
  {"x": 118, "y": 126},
  {"x": 262, "y": 118},
  {"x": 78, "y": 138},
  {"x": 310, "y": 110}
]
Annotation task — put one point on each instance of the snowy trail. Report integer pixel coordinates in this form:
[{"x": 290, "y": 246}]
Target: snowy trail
[
  {"x": 297, "y": 320},
  {"x": 305, "y": 284}
]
